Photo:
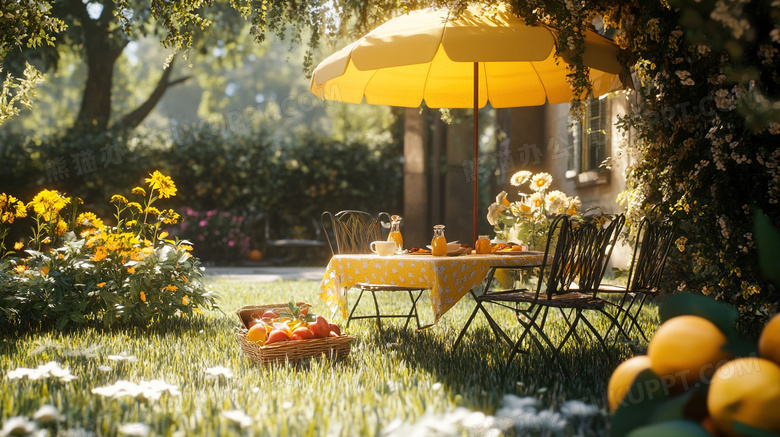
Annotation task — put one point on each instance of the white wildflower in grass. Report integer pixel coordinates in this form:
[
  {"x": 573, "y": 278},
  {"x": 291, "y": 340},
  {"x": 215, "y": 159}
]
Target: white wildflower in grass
[
  {"x": 576, "y": 408},
  {"x": 75, "y": 432},
  {"x": 237, "y": 417},
  {"x": 541, "y": 181},
  {"x": 47, "y": 415},
  {"x": 551, "y": 422},
  {"x": 52, "y": 369},
  {"x": 123, "y": 357},
  {"x": 134, "y": 429},
  {"x": 520, "y": 177},
  {"x": 18, "y": 426},
  {"x": 217, "y": 371},
  {"x": 105, "y": 368},
  {"x": 146, "y": 390}
]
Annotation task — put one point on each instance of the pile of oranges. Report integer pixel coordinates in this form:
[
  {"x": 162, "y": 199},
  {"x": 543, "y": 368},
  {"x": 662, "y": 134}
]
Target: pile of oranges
[{"x": 688, "y": 354}]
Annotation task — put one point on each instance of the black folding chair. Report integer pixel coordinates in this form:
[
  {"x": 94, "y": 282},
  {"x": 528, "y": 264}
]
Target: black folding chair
[
  {"x": 351, "y": 232},
  {"x": 575, "y": 251},
  {"x": 653, "y": 241}
]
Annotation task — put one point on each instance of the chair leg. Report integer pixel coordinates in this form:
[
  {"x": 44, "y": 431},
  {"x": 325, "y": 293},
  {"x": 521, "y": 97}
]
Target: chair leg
[
  {"x": 497, "y": 331},
  {"x": 376, "y": 306},
  {"x": 615, "y": 323},
  {"x": 354, "y": 307},
  {"x": 571, "y": 325},
  {"x": 529, "y": 326},
  {"x": 413, "y": 312},
  {"x": 596, "y": 332},
  {"x": 468, "y": 323}
]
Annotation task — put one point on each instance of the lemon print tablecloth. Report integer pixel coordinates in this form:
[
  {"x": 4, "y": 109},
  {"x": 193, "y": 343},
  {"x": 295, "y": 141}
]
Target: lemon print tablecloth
[{"x": 448, "y": 278}]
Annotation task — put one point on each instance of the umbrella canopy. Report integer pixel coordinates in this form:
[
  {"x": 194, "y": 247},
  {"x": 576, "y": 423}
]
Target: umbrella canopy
[{"x": 447, "y": 61}]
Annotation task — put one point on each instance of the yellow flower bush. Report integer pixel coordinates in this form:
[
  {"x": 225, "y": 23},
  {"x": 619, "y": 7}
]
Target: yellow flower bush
[{"x": 77, "y": 269}]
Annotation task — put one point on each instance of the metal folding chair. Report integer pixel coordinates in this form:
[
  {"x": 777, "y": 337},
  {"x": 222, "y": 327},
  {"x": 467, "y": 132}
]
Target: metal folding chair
[
  {"x": 653, "y": 241},
  {"x": 351, "y": 232},
  {"x": 576, "y": 251}
]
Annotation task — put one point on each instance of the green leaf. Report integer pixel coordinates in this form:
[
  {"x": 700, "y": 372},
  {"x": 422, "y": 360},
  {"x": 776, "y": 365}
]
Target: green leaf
[
  {"x": 751, "y": 431},
  {"x": 644, "y": 396},
  {"x": 671, "y": 428},
  {"x": 294, "y": 310},
  {"x": 723, "y": 315},
  {"x": 768, "y": 243}
]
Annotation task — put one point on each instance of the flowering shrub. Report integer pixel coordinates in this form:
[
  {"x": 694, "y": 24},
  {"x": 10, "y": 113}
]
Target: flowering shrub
[
  {"x": 78, "y": 269},
  {"x": 526, "y": 220},
  {"x": 219, "y": 235}
]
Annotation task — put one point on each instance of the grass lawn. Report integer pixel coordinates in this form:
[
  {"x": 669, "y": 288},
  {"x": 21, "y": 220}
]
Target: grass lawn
[{"x": 190, "y": 378}]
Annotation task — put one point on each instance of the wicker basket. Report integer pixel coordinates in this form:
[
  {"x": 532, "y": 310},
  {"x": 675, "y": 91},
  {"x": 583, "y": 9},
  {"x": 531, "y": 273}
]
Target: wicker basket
[{"x": 292, "y": 351}]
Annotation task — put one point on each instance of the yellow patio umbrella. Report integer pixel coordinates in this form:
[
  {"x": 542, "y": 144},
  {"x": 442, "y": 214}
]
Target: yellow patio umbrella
[{"x": 484, "y": 54}]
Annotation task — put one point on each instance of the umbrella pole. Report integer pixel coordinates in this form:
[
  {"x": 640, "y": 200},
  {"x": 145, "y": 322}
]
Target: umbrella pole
[{"x": 474, "y": 230}]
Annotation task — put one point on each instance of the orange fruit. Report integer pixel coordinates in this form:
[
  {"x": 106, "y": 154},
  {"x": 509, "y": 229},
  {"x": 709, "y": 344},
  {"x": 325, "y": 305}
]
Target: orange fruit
[
  {"x": 769, "y": 342},
  {"x": 686, "y": 349},
  {"x": 255, "y": 255},
  {"x": 623, "y": 377},
  {"x": 303, "y": 333},
  {"x": 748, "y": 390},
  {"x": 257, "y": 333},
  {"x": 277, "y": 335}
]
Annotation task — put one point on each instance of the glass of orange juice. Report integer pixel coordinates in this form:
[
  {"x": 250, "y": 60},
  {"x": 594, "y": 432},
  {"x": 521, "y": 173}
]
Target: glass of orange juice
[
  {"x": 395, "y": 232},
  {"x": 439, "y": 243},
  {"x": 482, "y": 246}
]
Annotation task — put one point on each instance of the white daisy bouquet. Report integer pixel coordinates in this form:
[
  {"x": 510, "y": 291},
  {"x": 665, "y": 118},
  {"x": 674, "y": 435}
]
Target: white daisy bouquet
[{"x": 525, "y": 221}]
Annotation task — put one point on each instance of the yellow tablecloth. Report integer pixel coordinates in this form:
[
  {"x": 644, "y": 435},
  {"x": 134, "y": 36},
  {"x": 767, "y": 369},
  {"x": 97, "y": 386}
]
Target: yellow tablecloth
[{"x": 448, "y": 277}]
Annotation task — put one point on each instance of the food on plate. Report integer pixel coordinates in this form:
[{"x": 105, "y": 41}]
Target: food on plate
[{"x": 419, "y": 251}]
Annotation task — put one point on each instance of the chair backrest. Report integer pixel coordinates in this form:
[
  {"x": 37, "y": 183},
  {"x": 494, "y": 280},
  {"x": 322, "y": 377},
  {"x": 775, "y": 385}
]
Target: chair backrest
[
  {"x": 351, "y": 231},
  {"x": 653, "y": 241},
  {"x": 582, "y": 250}
]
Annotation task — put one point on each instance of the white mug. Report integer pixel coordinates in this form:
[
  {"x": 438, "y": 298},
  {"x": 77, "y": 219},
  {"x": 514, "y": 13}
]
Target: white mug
[{"x": 383, "y": 248}]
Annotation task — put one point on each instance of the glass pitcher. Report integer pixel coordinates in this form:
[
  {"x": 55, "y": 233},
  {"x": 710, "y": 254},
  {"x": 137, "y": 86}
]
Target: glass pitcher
[
  {"x": 395, "y": 232},
  {"x": 439, "y": 243}
]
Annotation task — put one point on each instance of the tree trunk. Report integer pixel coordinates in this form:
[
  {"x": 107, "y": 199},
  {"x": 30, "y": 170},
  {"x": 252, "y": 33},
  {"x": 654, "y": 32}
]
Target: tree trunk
[{"x": 103, "y": 47}]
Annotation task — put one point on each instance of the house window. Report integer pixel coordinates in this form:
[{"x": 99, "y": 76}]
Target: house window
[{"x": 589, "y": 143}]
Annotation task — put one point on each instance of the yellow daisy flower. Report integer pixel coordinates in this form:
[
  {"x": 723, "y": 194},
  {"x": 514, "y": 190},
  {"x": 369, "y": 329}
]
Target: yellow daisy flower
[
  {"x": 18, "y": 245},
  {"x": 139, "y": 191},
  {"x": 143, "y": 296},
  {"x": 100, "y": 254},
  {"x": 62, "y": 228},
  {"x": 163, "y": 184},
  {"x": 185, "y": 300},
  {"x": 118, "y": 198}
]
